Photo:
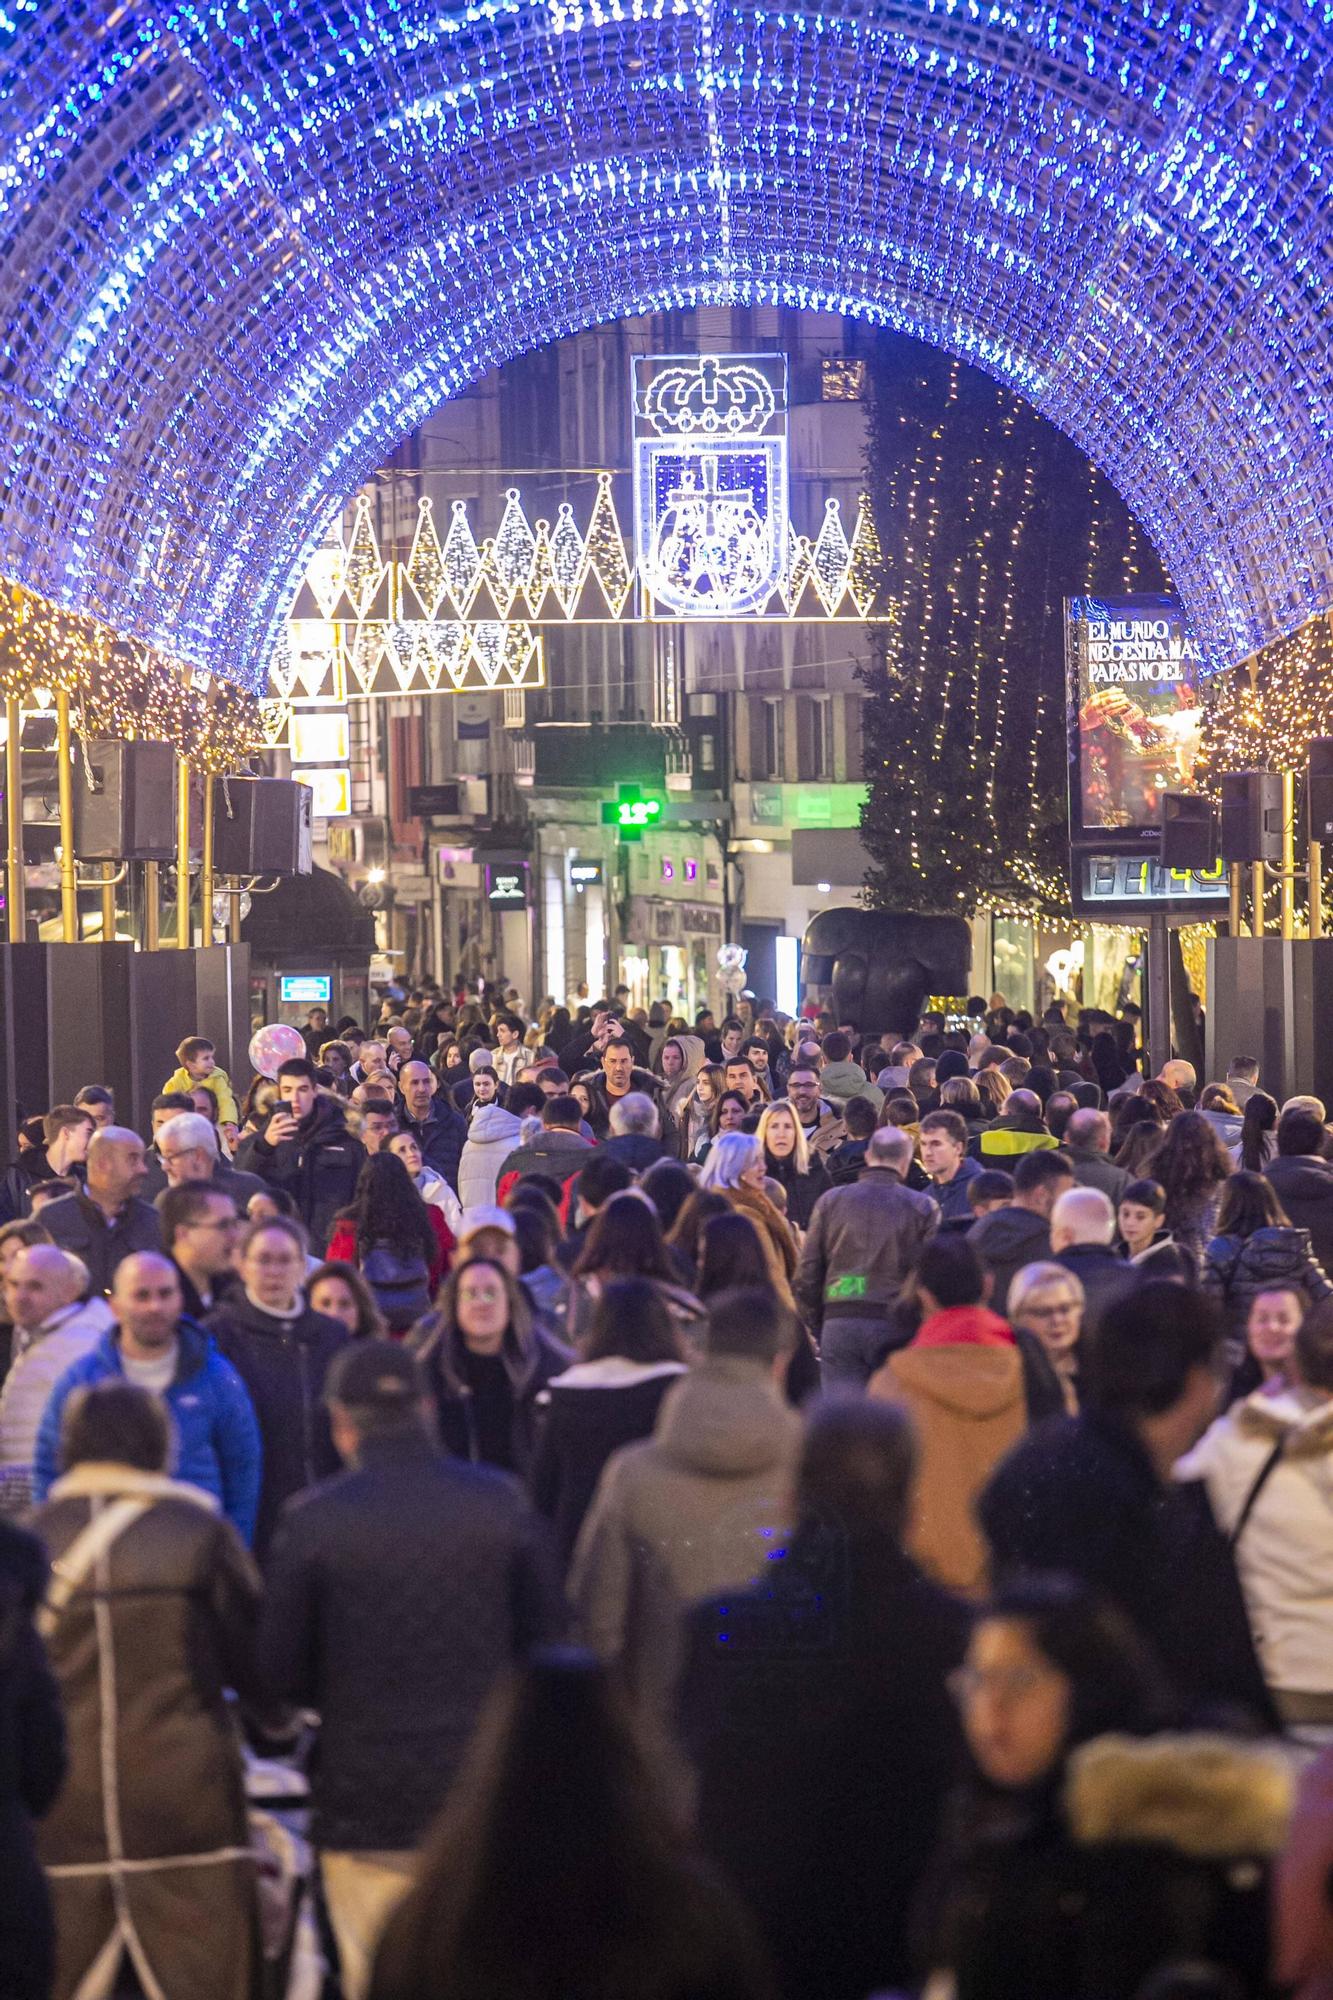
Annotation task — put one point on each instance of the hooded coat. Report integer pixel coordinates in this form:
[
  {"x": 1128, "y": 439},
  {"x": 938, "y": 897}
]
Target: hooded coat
[
  {"x": 1156, "y": 1854},
  {"x": 38, "y": 1365},
  {"x": 492, "y": 1135},
  {"x": 962, "y": 1380},
  {"x": 676, "y": 1095},
  {"x": 143, "y": 1652},
  {"x": 1006, "y": 1240},
  {"x": 1285, "y": 1551},
  {"x": 693, "y": 1510}
]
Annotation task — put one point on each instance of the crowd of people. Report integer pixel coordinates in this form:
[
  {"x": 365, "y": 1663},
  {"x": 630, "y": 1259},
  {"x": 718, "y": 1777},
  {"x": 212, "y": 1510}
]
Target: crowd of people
[{"x": 722, "y": 1510}]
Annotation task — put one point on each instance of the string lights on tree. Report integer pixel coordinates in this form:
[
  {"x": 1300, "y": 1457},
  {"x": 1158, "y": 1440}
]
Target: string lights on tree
[{"x": 987, "y": 519}]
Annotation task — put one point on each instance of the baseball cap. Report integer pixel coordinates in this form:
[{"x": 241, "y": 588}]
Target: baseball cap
[
  {"x": 485, "y": 1216},
  {"x": 375, "y": 1374}
]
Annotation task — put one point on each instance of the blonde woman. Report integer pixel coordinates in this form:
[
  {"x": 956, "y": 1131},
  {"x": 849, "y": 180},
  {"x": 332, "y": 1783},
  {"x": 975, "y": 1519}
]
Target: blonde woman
[
  {"x": 788, "y": 1160},
  {"x": 1046, "y": 1305},
  {"x": 994, "y": 1091}
]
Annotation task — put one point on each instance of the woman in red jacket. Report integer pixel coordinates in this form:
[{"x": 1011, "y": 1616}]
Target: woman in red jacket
[{"x": 401, "y": 1245}]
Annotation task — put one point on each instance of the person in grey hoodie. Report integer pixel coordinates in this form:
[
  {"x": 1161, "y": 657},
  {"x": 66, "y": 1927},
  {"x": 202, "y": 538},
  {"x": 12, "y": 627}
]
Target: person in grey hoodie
[
  {"x": 1020, "y": 1232},
  {"x": 842, "y": 1078},
  {"x": 698, "y": 1507}
]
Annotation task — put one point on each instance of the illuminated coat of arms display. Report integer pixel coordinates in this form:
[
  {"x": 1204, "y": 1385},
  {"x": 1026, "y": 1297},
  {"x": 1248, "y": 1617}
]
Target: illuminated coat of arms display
[{"x": 710, "y": 483}]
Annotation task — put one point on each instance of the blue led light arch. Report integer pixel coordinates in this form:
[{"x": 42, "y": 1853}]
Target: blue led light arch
[{"x": 245, "y": 247}]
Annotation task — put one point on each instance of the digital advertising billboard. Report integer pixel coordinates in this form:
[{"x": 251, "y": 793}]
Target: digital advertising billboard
[
  {"x": 1135, "y": 732},
  {"x": 1136, "y": 709}
]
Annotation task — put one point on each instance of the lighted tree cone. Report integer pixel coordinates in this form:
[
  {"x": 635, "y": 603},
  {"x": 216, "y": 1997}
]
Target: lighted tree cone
[{"x": 986, "y": 518}]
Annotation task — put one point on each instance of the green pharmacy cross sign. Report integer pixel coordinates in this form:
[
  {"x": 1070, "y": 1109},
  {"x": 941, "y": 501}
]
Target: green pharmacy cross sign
[{"x": 633, "y": 809}]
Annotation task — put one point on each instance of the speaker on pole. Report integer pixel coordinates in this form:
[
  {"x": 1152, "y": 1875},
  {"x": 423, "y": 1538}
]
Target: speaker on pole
[
  {"x": 128, "y": 812},
  {"x": 1252, "y": 816},
  {"x": 261, "y": 826},
  {"x": 1189, "y": 831},
  {"x": 1319, "y": 790}
]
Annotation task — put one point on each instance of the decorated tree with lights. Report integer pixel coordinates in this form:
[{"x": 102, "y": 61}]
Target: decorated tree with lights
[{"x": 988, "y": 518}]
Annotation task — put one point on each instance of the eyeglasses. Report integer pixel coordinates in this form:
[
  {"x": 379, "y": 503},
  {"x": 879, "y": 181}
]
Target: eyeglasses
[
  {"x": 1053, "y": 1311},
  {"x": 1001, "y": 1683},
  {"x": 224, "y": 1222}
]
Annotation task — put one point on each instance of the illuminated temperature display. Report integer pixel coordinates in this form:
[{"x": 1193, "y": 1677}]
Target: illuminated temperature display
[
  {"x": 632, "y": 810},
  {"x": 1114, "y": 884}
]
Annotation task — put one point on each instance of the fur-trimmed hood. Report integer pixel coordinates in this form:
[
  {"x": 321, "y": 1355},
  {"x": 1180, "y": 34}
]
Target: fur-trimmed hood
[
  {"x": 1209, "y": 1797},
  {"x": 1303, "y": 1419}
]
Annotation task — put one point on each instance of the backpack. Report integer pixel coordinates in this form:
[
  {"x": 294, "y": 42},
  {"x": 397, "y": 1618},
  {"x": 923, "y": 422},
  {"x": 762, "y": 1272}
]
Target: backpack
[{"x": 400, "y": 1281}]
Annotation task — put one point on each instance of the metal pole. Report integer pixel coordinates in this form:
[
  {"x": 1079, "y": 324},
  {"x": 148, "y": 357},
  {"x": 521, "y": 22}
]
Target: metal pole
[
  {"x": 1287, "y": 888},
  {"x": 1159, "y": 994},
  {"x": 108, "y": 902},
  {"x": 1257, "y": 898},
  {"x": 206, "y": 867},
  {"x": 1236, "y": 885},
  {"x": 234, "y": 924},
  {"x": 1316, "y": 890},
  {"x": 69, "y": 894},
  {"x": 152, "y": 907},
  {"x": 183, "y": 934},
  {"x": 15, "y": 904}
]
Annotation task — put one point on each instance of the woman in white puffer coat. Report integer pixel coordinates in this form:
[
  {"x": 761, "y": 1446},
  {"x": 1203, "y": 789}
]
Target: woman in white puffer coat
[
  {"x": 492, "y": 1135},
  {"x": 1268, "y": 1467}
]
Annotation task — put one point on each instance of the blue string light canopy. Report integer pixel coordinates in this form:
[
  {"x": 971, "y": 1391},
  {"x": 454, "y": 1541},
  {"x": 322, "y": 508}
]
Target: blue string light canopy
[{"x": 244, "y": 247}]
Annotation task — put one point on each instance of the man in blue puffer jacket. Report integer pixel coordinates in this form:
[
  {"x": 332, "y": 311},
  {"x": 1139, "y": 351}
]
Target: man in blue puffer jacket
[{"x": 154, "y": 1345}]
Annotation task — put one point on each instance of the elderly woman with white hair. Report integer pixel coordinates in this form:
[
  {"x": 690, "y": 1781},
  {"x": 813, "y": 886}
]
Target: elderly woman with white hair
[
  {"x": 1046, "y": 1302},
  {"x": 736, "y": 1168}
]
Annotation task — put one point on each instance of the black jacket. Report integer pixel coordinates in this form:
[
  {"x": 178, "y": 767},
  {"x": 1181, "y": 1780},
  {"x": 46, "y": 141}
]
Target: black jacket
[
  {"x": 284, "y": 1365},
  {"x": 590, "y": 1411},
  {"x": 637, "y": 1151},
  {"x": 441, "y": 1136},
  {"x": 1236, "y": 1269},
  {"x": 1103, "y": 1276},
  {"x": 1080, "y": 1496},
  {"x": 410, "y": 1574},
  {"x": 600, "y": 1102},
  {"x": 76, "y": 1223},
  {"x": 445, "y": 1363},
  {"x": 816, "y": 1713},
  {"x": 803, "y": 1190},
  {"x": 32, "y": 1765},
  {"x": 1304, "y": 1186},
  {"x": 1027, "y": 1906},
  {"x": 1006, "y": 1240},
  {"x": 318, "y": 1167}
]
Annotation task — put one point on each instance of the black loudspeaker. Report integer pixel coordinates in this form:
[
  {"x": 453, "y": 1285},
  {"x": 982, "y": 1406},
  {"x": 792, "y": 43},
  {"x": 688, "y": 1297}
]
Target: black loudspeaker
[
  {"x": 130, "y": 812},
  {"x": 1189, "y": 831},
  {"x": 1319, "y": 789},
  {"x": 1252, "y": 816},
  {"x": 266, "y": 831}
]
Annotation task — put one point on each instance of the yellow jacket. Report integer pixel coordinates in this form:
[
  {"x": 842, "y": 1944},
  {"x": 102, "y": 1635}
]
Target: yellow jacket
[{"x": 220, "y": 1085}]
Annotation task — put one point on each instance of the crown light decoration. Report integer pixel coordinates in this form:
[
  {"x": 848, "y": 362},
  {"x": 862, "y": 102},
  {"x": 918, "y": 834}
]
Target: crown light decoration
[
  {"x": 456, "y": 616},
  {"x": 245, "y": 249}
]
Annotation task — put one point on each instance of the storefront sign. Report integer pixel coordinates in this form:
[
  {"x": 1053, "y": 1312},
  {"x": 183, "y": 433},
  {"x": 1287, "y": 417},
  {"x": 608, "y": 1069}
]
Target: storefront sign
[
  {"x": 507, "y": 888},
  {"x": 698, "y": 917},
  {"x": 584, "y": 874}
]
